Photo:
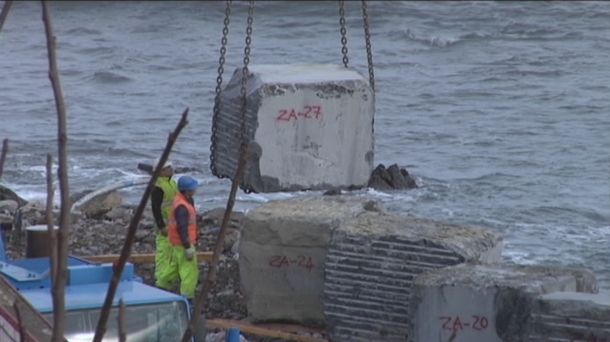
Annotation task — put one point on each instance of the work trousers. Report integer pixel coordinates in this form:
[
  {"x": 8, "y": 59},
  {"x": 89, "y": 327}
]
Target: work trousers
[
  {"x": 187, "y": 271},
  {"x": 163, "y": 255}
]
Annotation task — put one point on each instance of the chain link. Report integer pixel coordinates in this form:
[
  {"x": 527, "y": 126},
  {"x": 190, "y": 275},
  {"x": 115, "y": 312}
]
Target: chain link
[
  {"x": 244, "y": 83},
  {"x": 369, "y": 50},
  {"x": 343, "y": 32},
  {"x": 217, "y": 101}
]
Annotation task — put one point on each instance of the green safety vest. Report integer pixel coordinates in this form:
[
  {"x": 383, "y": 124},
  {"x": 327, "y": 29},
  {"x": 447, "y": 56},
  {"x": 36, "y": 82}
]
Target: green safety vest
[{"x": 170, "y": 190}]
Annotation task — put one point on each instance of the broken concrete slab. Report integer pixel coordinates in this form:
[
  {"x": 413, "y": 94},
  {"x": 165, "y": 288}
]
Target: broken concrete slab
[
  {"x": 571, "y": 316},
  {"x": 372, "y": 261},
  {"x": 484, "y": 303},
  {"x": 282, "y": 253}
]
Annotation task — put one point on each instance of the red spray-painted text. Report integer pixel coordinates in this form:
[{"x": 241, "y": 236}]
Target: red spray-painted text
[
  {"x": 475, "y": 322},
  {"x": 279, "y": 261},
  {"x": 308, "y": 112}
]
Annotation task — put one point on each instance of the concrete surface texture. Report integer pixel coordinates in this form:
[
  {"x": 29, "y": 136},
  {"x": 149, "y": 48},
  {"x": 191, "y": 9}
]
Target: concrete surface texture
[
  {"x": 309, "y": 126},
  {"x": 485, "y": 303},
  {"x": 372, "y": 260},
  {"x": 282, "y": 253},
  {"x": 571, "y": 316}
]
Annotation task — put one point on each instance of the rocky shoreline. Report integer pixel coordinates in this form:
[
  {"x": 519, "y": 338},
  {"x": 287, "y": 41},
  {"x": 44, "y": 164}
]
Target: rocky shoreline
[{"x": 102, "y": 231}]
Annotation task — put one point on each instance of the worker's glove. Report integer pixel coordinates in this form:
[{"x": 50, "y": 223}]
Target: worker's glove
[{"x": 190, "y": 253}]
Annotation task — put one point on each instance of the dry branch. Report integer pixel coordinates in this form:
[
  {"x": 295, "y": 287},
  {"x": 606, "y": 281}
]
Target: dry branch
[
  {"x": 131, "y": 231},
  {"x": 3, "y": 156},
  {"x": 4, "y": 13},
  {"x": 121, "y": 321},
  {"x": 50, "y": 223},
  {"x": 58, "y": 289},
  {"x": 22, "y": 334}
]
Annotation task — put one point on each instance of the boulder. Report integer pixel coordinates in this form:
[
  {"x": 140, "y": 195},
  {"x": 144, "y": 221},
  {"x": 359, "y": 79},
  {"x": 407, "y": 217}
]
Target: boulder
[
  {"x": 485, "y": 303},
  {"x": 8, "y": 194},
  {"x": 213, "y": 218},
  {"x": 8, "y": 207},
  {"x": 392, "y": 178},
  {"x": 282, "y": 252},
  {"x": 371, "y": 263},
  {"x": 98, "y": 206}
]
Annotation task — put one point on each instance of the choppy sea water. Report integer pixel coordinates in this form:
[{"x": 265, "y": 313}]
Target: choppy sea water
[{"x": 499, "y": 109}]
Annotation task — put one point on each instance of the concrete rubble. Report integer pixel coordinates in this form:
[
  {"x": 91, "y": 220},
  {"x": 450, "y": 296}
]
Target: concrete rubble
[
  {"x": 282, "y": 254},
  {"x": 372, "y": 261},
  {"x": 485, "y": 303}
]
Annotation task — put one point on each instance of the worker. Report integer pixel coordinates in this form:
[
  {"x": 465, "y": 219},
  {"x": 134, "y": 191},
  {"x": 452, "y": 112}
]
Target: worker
[
  {"x": 183, "y": 238},
  {"x": 161, "y": 201}
]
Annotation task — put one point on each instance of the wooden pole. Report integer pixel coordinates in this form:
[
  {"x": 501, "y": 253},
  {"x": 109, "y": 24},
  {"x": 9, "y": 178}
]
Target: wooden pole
[
  {"x": 4, "y": 13},
  {"x": 50, "y": 223},
  {"x": 131, "y": 231},
  {"x": 3, "y": 155}
]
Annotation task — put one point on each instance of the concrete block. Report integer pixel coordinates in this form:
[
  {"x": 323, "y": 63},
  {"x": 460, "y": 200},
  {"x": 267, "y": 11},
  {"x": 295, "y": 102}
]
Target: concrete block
[
  {"x": 310, "y": 126},
  {"x": 282, "y": 253},
  {"x": 573, "y": 317},
  {"x": 372, "y": 261},
  {"x": 484, "y": 303}
]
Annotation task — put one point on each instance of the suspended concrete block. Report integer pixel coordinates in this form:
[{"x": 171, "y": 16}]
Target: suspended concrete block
[
  {"x": 372, "y": 261},
  {"x": 282, "y": 252},
  {"x": 310, "y": 127},
  {"x": 485, "y": 303},
  {"x": 570, "y": 316}
]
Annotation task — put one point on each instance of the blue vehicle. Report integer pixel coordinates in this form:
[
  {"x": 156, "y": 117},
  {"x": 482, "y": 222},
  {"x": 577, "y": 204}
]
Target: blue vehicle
[{"x": 151, "y": 314}]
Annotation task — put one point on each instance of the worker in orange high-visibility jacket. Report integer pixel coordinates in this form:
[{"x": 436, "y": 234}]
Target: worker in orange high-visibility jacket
[{"x": 182, "y": 234}]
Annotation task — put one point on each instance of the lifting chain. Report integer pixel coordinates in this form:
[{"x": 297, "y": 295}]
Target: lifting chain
[
  {"x": 369, "y": 51},
  {"x": 244, "y": 83},
  {"x": 217, "y": 101},
  {"x": 343, "y": 32}
]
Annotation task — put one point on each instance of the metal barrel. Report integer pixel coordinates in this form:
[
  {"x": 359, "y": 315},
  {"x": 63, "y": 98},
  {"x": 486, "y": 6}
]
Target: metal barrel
[{"x": 38, "y": 244}]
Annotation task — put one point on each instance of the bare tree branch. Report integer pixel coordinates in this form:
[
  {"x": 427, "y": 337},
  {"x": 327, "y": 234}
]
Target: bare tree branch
[
  {"x": 49, "y": 217},
  {"x": 4, "y": 13},
  {"x": 211, "y": 276},
  {"x": 3, "y": 155},
  {"x": 22, "y": 334},
  {"x": 121, "y": 321},
  {"x": 58, "y": 289},
  {"x": 131, "y": 231}
]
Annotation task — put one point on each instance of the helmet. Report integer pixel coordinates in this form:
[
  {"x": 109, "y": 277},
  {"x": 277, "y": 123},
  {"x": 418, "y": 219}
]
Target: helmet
[
  {"x": 167, "y": 163},
  {"x": 187, "y": 183}
]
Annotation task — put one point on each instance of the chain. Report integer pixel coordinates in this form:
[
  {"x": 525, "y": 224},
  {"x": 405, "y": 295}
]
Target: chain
[
  {"x": 244, "y": 82},
  {"x": 217, "y": 102},
  {"x": 369, "y": 51},
  {"x": 343, "y": 32}
]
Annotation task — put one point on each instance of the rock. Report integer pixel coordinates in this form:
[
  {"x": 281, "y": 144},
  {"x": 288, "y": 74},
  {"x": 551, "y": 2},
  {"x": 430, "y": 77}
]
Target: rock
[
  {"x": 98, "y": 206},
  {"x": 9, "y": 206},
  {"x": 8, "y": 194},
  {"x": 119, "y": 213},
  {"x": 392, "y": 178},
  {"x": 213, "y": 218},
  {"x": 372, "y": 260},
  {"x": 6, "y": 222},
  {"x": 282, "y": 252},
  {"x": 571, "y": 316},
  {"x": 483, "y": 303}
]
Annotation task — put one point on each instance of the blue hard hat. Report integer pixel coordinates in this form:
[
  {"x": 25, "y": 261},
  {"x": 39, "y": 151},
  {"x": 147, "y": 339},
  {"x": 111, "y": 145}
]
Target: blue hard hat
[{"x": 187, "y": 183}]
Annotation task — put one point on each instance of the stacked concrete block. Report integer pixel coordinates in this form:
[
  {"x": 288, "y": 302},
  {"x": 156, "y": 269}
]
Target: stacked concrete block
[
  {"x": 282, "y": 253},
  {"x": 485, "y": 303},
  {"x": 372, "y": 261},
  {"x": 570, "y": 316},
  {"x": 310, "y": 126}
]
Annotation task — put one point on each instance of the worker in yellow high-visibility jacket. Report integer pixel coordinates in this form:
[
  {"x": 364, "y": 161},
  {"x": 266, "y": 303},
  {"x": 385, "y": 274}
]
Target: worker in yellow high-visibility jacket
[
  {"x": 161, "y": 200},
  {"x": 183, "y": 235}
]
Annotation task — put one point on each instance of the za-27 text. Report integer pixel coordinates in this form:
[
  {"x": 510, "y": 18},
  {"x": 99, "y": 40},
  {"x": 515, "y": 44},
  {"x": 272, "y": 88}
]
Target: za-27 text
[
  {"x": 279, "y": 261},
  {"x": 308, "y": 112},
  {"x": 478, "y": 323}
]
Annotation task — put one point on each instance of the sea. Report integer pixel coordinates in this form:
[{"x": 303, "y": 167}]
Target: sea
[{"x": 500, "y": 110}]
